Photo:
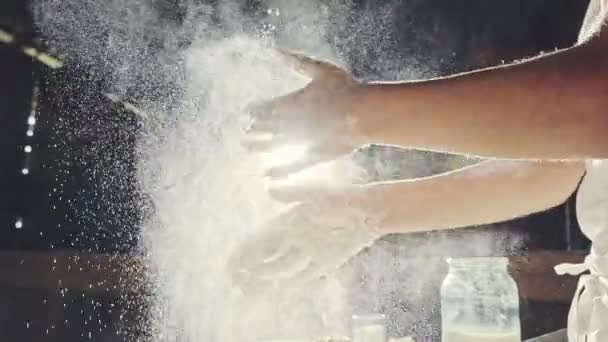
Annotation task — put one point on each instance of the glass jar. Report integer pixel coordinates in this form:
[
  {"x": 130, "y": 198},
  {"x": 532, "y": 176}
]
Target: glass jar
[{"x": 479, "y": 302}]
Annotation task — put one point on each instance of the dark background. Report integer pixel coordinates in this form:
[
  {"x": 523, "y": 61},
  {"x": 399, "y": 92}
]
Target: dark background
[{"x": 81, "y": 192}]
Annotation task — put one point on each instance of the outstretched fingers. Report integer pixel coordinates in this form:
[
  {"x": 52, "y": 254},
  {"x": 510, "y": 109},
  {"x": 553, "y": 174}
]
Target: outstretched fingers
[
  {"x": 278, "y": 106},
  {"x": 318, "y": 193},
  {"x": 265, "y": 141},
  {"x": 320, "y": 153}
]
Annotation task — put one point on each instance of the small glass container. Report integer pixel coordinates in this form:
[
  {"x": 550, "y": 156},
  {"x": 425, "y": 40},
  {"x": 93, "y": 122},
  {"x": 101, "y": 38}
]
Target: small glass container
[
  {"x": 369, "y": 328},
  {"x": 479, "y": 302}
]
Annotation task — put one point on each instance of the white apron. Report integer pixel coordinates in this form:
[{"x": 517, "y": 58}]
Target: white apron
[{"x": 588, "y": 317}]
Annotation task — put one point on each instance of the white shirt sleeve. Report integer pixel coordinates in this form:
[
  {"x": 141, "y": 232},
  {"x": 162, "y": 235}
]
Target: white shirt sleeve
[
  {"x": 596, "y": 13},
  {"x": 592, "y": 203}
]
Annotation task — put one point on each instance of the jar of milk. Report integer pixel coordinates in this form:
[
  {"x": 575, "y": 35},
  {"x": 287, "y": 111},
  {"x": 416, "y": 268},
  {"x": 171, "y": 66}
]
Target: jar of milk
[{"x": 479, "y": 302}]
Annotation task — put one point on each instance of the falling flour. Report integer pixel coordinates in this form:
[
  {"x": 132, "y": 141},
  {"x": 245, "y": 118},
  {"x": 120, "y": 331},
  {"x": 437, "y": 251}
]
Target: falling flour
[{"x": 210, "y": 195}]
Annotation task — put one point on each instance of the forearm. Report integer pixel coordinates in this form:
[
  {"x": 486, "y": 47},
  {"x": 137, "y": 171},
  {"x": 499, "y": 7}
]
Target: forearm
[
  {"x": 551, "y": 107},
  {"x": 491, "y": 191}
]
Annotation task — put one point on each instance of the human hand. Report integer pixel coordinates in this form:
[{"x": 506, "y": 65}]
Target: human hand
[
  {"x": 309, "y": 240},
  {"x": 320, "y": 115}
]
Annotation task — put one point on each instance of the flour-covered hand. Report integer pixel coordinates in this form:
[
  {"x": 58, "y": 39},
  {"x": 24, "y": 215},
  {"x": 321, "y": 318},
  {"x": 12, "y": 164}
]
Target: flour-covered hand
[
  {"x": 319, "y": 115},
  {"x": 308, "y": 241}
]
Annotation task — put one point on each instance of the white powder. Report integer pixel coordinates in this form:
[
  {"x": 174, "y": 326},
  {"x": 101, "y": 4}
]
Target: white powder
[{"x": 209, "y": 196}]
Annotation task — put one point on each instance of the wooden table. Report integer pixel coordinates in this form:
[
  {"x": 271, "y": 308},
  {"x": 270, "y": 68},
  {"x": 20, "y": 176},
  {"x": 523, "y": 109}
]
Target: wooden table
[{"x": 533, "y": 273}]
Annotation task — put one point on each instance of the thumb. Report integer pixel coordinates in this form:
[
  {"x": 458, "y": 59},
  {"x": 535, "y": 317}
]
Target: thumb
[{"x": 311, "y": 67}]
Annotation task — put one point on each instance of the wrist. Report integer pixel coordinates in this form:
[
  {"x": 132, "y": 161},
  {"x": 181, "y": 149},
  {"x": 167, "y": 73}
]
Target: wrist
[
  {"x": 375, "y": 110},
  {"x": 377, "y": 209},
  {"x": 397, "y": 207},
  {"x": 395, "y": 113},
  {"x": 361, "y": 112}
]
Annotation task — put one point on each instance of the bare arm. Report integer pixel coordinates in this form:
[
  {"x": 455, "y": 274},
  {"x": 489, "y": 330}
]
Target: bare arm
[
  {"x": 488, "y": 192},
  {"x": 551, "y": 107},
  {"x": 320, "y": 233}
]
